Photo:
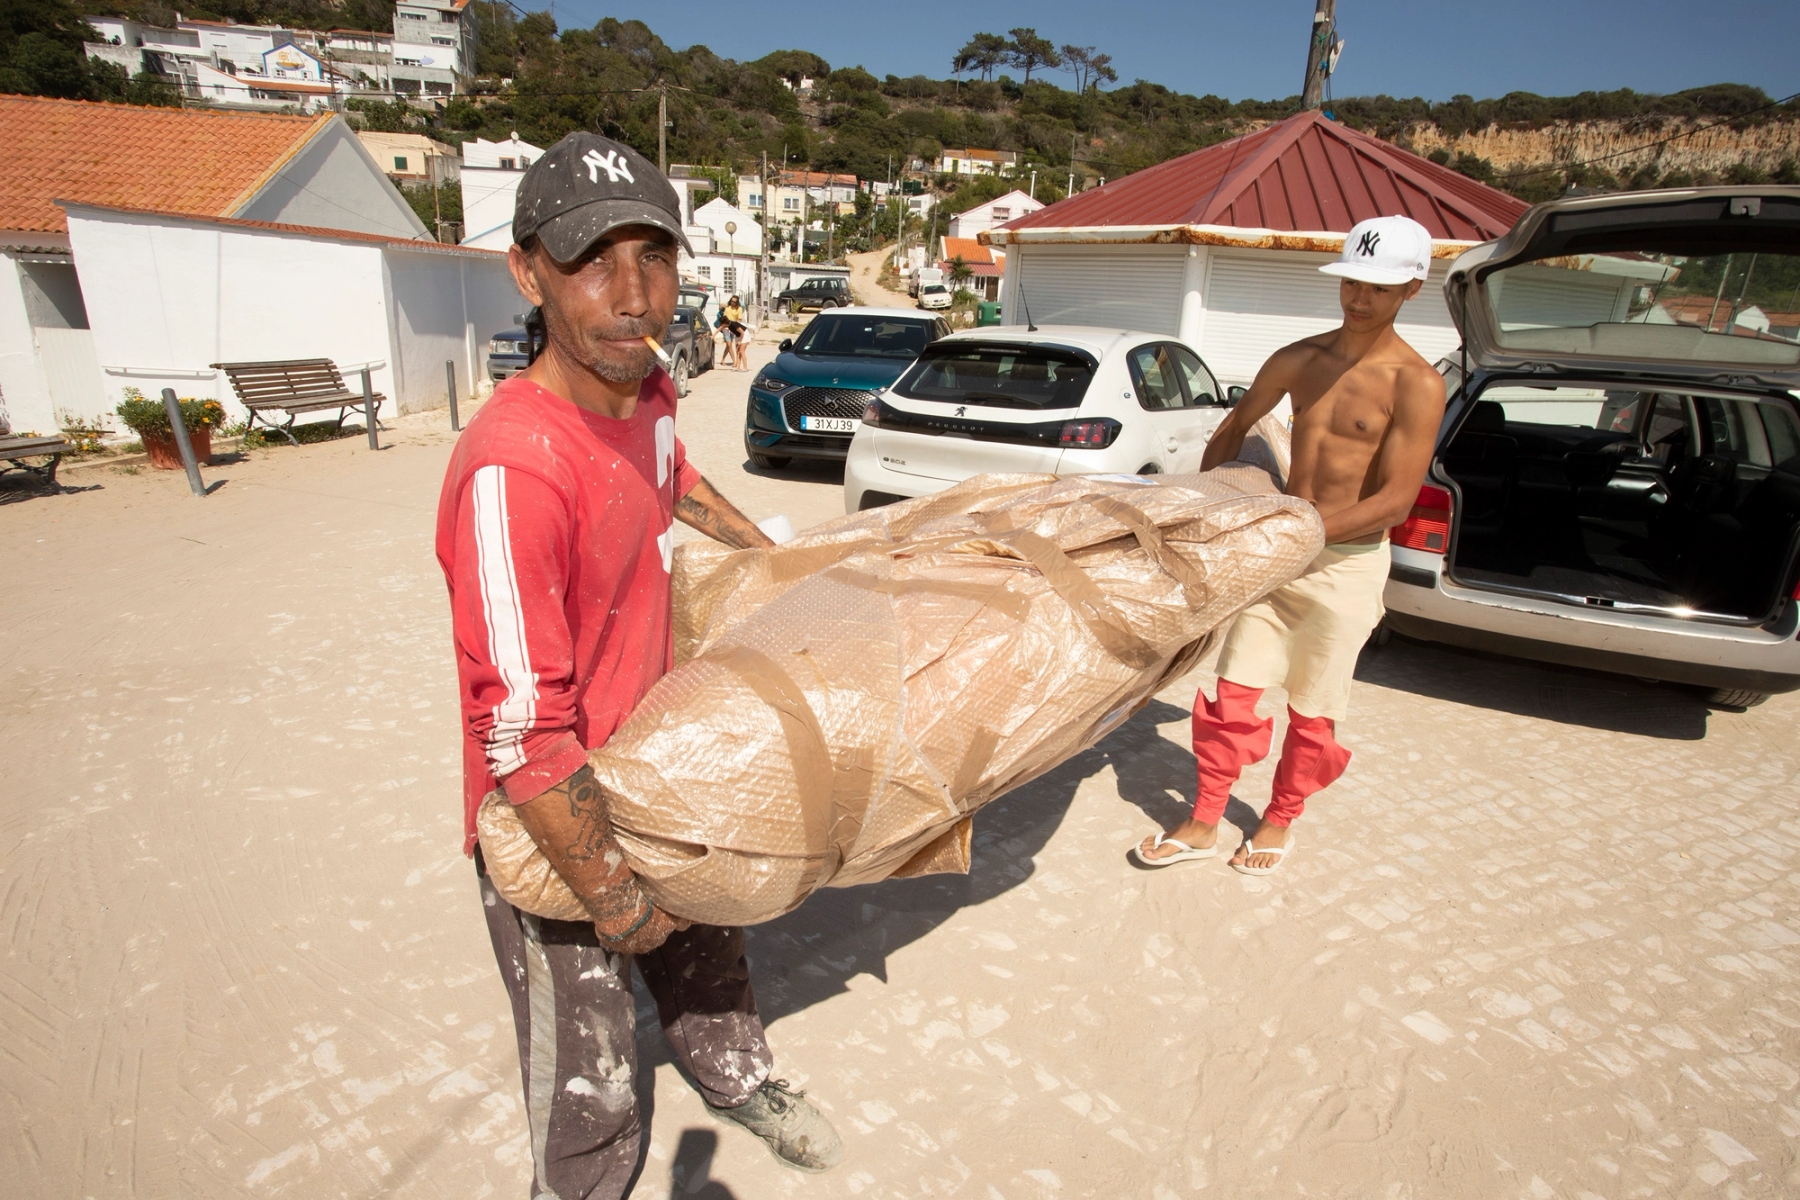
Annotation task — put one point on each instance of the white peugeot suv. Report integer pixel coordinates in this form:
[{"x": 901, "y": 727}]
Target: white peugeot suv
[{"x": 1068, "y": 400}]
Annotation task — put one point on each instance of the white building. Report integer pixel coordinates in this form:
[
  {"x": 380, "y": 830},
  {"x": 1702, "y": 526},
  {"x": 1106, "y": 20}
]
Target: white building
[
  {"x": 727, "y": 245},
  {"x": 161, "y": 163},
  {"x": 1221, "y": 247},
  {"x": 490, "y": 183},
  {"x": 413, "y": 157},
  {"x": 169, "y": 294},
  {"x": 434, "y": 47},
  {"x": 976, "y": 162},
  {"x": 976, "y": 221}
]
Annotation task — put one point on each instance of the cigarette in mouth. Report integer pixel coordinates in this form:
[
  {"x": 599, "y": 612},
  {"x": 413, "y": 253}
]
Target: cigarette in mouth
[{"x": 662, "y": 355}]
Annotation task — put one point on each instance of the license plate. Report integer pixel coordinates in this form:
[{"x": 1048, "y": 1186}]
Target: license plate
[{"x": 828, "y": 424}]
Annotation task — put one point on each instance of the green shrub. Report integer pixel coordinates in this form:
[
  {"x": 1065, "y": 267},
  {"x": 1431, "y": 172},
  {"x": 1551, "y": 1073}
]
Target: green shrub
[{"x": 148, "y": 418}]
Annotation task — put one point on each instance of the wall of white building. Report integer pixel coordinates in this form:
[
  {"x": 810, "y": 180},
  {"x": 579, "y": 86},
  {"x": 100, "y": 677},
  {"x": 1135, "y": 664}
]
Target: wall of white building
[
  {"x": 1236, "y": 306},
  {"x": 167, "y": 296},
  {"x": 335, "y": 183},
  {"x": 47, "y": 362}
]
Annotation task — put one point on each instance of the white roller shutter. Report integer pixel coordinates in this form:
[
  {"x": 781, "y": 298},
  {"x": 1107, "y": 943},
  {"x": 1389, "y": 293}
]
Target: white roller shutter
[
  {"x": 1117, "y": 287},
  {"x": 1256, "y": 303}
]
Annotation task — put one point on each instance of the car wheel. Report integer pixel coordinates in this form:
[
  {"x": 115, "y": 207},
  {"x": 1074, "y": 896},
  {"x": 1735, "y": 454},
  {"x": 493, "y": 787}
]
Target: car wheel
[
  {"x": 1738, "y": 698},
  {"x": 767, "y": 462},
  {"x": 681, "y": 375}
]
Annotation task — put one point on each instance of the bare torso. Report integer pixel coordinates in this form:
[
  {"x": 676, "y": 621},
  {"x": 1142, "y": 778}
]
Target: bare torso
[
  {"x": 1342, "y": 413},
  {"x": 1366, "y": 413}
]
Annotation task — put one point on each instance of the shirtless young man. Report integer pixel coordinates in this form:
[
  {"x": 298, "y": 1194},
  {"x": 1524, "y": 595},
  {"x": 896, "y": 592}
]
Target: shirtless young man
[{"x": 1366, "y": 416}]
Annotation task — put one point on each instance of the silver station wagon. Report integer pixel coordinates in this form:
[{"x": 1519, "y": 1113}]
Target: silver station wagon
[{"x": 1617, "y": 479}]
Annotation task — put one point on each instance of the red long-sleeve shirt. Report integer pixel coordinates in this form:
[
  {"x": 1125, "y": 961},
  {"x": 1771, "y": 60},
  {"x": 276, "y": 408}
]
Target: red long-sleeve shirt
[{"x": 554, "y": 530}]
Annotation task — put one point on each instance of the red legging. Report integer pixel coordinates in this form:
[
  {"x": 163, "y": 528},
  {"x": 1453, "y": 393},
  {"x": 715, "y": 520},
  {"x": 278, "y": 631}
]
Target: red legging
[{"x": 1228, "y": 737}]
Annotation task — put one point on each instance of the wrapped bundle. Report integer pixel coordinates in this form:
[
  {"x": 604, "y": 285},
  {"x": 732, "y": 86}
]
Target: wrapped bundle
[{"x": 843, "y": 703}]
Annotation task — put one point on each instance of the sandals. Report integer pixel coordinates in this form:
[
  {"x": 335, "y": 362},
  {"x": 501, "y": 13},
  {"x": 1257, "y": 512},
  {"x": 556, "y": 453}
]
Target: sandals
[
  {"x": 1244, "y": 868},
  {"x": 1185, "y": 852}
]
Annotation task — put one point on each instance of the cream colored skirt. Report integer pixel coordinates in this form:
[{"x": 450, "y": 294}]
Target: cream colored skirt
[{"x": 1305, "y": 637}]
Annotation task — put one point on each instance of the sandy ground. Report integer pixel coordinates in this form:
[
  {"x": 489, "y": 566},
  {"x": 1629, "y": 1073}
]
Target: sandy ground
[{"x": 1539, "y": 942}]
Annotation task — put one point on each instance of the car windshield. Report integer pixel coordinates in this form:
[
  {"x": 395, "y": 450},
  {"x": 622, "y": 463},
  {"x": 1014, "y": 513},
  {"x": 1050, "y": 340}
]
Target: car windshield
[
  {"x": 855, "y": 336},
  {"x": 999, "y": 376},
  {"x": 1644, "y": 304}
]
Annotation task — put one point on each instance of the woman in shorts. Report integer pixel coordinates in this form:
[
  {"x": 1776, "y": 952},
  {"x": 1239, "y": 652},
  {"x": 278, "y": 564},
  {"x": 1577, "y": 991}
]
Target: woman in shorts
[{"x": 731, "y": 322}]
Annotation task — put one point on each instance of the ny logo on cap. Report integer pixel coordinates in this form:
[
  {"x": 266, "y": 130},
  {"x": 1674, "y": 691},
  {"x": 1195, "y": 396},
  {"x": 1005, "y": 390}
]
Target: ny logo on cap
[
  {"x": 612, "y": 162},
  {"x": 1366, "y": 246}
]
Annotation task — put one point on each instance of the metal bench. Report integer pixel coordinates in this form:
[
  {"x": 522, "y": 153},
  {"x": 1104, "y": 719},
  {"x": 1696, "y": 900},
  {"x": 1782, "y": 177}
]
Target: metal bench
[
  {"x": 15, "y": 450},
  {"x": 293, "y": 386}
]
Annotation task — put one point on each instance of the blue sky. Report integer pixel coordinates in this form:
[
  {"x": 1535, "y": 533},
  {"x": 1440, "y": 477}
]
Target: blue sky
[{"x": 1257, "y": 50}]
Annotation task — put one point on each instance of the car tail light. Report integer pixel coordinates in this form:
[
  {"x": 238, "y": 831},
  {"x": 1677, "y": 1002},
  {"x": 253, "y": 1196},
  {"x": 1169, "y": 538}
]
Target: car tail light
[
  {"x": 872, "y": 414},
  {"x": 1428, "y": 526},
  {"x": 1097, "y": 434}
]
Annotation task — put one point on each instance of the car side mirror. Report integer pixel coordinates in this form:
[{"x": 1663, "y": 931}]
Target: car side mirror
[
  {"x": 1233, "y": 395},
  {"x": 786, "y": 345}
]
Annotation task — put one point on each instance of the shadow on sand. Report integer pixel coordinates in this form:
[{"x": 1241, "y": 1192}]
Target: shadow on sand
[{"x": 1567, "y": 695}]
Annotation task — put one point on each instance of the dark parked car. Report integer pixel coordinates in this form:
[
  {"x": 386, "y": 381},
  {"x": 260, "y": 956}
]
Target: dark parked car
[
  {"x": 1617, "y": 481},
  {"x": 807, "y": 403},
  {"x": 828, "y": 292},
  {"x": 690, "y": 342}
]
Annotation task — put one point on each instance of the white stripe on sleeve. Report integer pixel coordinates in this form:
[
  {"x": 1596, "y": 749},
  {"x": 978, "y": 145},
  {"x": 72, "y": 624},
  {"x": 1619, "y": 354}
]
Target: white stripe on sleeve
[{"x": 517, "y": 712}]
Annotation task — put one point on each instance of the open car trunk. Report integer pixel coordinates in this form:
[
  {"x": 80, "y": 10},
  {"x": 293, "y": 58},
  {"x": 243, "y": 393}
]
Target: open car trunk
[{"x": 1681, "y": 502}]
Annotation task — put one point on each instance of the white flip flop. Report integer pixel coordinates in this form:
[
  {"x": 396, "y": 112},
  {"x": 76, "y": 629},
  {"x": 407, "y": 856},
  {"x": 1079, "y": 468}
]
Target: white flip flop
[
  {"x": 1244, "y": 868},
  {"x": 1186, "y": 853}
]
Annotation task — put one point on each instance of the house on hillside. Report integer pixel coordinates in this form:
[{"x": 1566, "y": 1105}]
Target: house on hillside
[
  {"x": 985, "y": 264},
  {"x": 727, "y": 245},
  {"x": 413, "y": 157},
  {"x": 974, "y": 222},
  {"x": 435, "y": 43},
  {"x": 1221, "y": 247},
  {"x": 139, "y": 245},
  {"x": 976, "y": 162},
  {"x": 490, "y": 183}
]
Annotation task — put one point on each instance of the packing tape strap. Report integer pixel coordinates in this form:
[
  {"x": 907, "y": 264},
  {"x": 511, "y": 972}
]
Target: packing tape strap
[
  {"x": 787, "y": 564},
  {"x": 1191, "y": 578},
  {"x": 833, "y": 814},
  {"x": 957, "y": 502},
  {"x": 993, "y": 595},
  {"x": 1083, "y": 595}
]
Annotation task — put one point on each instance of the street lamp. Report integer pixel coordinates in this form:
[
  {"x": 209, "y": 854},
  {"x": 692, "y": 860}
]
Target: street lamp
[{"x": 731, "y": 238}]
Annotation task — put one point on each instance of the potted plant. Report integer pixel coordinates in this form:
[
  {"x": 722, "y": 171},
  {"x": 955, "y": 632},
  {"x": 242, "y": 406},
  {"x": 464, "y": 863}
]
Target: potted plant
[{"x": 149, "y": 419}]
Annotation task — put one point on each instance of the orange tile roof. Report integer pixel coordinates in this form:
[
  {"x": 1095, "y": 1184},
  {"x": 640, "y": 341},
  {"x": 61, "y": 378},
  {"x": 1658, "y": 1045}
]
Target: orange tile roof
[
  {"x": 177, "y": 160},
  {"x": 972, "y": 251}
]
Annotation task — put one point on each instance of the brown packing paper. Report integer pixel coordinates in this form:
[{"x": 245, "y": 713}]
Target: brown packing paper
[{"x": 844, "y": 703}]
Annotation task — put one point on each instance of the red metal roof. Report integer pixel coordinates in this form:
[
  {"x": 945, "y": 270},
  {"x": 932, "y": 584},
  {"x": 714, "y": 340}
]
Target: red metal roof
[{"x": 1305, "y": 174}]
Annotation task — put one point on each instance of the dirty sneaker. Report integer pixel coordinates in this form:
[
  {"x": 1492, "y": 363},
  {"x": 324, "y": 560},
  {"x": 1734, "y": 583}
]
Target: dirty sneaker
[{"x": 798, "y": 1133}]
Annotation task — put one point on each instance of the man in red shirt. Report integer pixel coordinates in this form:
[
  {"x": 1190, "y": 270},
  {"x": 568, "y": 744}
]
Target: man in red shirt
[{"x": 555, "y": 530}]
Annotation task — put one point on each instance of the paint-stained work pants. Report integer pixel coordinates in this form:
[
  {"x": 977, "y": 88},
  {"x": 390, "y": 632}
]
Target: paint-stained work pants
[{"x": 575, "y": 1019}]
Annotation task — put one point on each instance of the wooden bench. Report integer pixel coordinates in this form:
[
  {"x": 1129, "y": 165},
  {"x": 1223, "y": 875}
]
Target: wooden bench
[
  {"x": 15, "y": 450},
  {"x": 293, "y": 386}
]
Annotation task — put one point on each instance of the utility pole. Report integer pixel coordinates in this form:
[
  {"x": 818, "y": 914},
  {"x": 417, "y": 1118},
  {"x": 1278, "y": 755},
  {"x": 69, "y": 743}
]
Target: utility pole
[
  {"x": 662, "y": 129},
  {"x": 762, "y": 267},
  {"x": 1318, "y": 47}
]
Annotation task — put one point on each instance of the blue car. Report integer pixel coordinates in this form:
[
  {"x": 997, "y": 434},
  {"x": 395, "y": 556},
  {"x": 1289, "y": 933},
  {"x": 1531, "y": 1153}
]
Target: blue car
[{"x": 808, "y": 402}]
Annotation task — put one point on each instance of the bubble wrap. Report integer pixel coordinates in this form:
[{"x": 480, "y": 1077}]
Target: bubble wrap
[{"x": 843, "y": 703}]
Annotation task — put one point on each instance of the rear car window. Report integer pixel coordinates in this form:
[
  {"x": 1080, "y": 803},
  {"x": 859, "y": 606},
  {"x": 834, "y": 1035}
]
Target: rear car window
[
  {"x": 1653, "y": 305},
  {"x": 862, "y": 336},
  {"x": 1668, "y": 425},
  {"x": 998, "y": 376}
]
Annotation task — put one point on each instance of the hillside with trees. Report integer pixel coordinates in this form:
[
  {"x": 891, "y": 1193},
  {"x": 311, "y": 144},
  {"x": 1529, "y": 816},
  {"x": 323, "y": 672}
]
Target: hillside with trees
[{"x": 1061, "y": 107}]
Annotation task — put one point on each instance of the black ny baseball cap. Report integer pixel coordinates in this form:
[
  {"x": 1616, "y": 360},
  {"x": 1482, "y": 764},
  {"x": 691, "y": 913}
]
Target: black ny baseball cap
[{"x": 586, "y": 186}]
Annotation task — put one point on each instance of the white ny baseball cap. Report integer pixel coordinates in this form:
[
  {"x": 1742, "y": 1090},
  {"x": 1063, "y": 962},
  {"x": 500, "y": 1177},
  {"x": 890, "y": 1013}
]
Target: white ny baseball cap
[{"x": 1384, "y": 250}]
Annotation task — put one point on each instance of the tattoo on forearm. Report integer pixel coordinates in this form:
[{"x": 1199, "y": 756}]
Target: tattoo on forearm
[
  {"x": 729, "y": 527},
  {"x": 587, "y": 809},
  {"x": 610, "y": 889}
]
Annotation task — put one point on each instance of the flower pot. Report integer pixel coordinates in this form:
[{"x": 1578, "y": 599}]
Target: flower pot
[{"x": 165, "y": 455}]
